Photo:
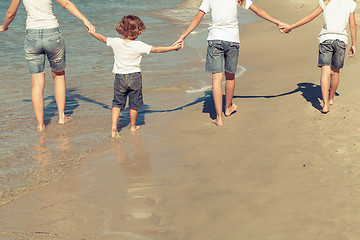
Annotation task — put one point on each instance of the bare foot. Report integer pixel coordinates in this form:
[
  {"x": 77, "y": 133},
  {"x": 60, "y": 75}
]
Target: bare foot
[
  {"x": 232, "y": 109},
  {"x": 65, "y": 120},
  {"x": 41, "y": 127},
  {"x": 135, "y": 128},
  {"x": 325, "y": 110},
  {"x": 217, "y": 122},
  {"x": 331, "y": 101},
  {"x": 115, "y": 134}
]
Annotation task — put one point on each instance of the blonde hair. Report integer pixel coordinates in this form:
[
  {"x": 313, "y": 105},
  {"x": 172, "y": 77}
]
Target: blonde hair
[
  {"x": 241, "y": 3},
  {"x": 328, "y": 1}
]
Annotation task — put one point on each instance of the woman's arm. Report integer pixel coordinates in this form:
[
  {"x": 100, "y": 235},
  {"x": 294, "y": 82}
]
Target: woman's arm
[
  {"x": 193, "y": 24},
  {"x": 71, "y": 8},
  {"x": 10, "y": 15},
  {"x": 316, "y": 12},
  {"x": 353, "y": 32}
]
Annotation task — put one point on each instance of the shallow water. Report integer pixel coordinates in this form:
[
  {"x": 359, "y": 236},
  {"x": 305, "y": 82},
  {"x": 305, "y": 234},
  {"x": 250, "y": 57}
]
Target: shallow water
[{"x": 29, "y": 160}]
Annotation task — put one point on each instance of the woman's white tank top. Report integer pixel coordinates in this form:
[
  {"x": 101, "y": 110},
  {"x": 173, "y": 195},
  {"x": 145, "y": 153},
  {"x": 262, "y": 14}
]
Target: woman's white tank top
[{"x": 39, "y": 14}]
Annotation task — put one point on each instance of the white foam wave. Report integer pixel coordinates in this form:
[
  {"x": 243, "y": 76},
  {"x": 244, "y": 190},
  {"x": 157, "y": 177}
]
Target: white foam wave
[{"x": 241, "y": 71}]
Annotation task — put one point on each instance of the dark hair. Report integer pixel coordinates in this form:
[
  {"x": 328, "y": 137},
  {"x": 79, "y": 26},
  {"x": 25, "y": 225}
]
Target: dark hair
[{"x": 130, "y": 27}]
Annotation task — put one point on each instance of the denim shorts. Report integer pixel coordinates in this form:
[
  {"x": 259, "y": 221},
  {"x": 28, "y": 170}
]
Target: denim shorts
[
  {"x": 128, "y": 85},
  {"x": 332, "y": 53},
  {"x": 222, "y": 53},
  {"x": 41, "y": 43}
]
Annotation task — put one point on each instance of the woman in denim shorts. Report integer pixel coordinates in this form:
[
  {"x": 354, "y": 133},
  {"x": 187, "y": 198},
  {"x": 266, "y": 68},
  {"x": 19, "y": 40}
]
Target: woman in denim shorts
[
  {"x": 223, "y": 47},
  {"x": 43, "y": 40}
]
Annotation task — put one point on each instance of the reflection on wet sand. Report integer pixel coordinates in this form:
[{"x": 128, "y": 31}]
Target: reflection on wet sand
[{"x": 140, "y": 200}]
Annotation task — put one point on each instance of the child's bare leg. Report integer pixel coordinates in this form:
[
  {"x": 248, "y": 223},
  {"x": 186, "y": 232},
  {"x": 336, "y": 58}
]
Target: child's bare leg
[
  {"x": 334, "y": 83},
  {"x": 133, "y": 116},
  {"x": 217, "y": 95},
  {"x": 229, "y": 93},
  {"x": 60, "y": 95},
  {"x": 324, "y": 82},
  {"x": 37, "y": 98},
  {"x": 115, "y": 114}
]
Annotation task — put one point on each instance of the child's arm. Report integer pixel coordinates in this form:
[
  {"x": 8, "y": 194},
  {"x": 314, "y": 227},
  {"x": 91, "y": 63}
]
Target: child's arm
[
  {"x": 353, "y": 32},
  {"x": 263, "y": 14},
  {"x": 10, "y": 15},
  {"x": 166, "y": 49},
  {"x": 193, "y": 24},
  {"x": 316, "y": 12},
  {"x": 98, "y": 36}
]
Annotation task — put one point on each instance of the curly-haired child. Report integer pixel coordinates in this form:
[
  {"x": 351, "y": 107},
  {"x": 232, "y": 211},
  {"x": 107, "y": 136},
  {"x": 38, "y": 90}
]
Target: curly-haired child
[{"x": 128, "y": 79}]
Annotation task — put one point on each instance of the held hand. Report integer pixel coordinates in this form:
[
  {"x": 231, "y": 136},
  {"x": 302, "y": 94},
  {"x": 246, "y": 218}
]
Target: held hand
[
  {"x": 281, "y": 26},
  {"x": 352, "y": 51},
  {"x": 91, "y": 28},
  {"x": 180, "y": 41},
  {"x": 3, "y": 29},
  {"x": 286, "y": 28},
  {"x": 177, "y": 46}
]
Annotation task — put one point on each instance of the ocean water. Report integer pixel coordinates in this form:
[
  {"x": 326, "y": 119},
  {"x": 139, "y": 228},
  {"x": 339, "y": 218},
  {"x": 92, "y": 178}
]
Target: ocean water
[{"x": 29, "y": 160}]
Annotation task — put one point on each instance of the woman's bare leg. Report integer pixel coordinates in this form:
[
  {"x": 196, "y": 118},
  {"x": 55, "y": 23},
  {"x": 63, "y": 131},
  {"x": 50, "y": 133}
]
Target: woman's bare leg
[
  {"x": 60, "y": 95},
  {"x": 37, "y": 98}
]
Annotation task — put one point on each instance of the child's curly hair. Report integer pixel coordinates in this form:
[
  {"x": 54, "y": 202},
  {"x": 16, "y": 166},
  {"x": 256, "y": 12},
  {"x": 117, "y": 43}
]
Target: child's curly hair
[
  {"x": 241, "y": 3},
  {"x": 130, "y": 27}
]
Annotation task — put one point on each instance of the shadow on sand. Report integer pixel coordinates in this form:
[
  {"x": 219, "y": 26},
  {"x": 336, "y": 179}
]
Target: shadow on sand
[{"x": 310, "y": 92}]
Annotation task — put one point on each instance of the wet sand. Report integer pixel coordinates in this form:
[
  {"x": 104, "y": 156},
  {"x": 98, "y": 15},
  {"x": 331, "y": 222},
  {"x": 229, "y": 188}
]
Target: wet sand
[{"x": 277, "y": 169}]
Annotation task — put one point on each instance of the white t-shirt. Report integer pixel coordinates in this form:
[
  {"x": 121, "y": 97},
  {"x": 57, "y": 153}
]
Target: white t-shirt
[
  {"x": 127, "y": 55},
  {"x": 336, "y": 17},
  {"x": 40, "y": 14},
  {"x": 224, "y": 25}
]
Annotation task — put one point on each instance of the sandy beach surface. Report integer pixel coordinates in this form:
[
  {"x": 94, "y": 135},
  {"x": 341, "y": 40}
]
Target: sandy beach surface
[{"x": 278, "y": 169}]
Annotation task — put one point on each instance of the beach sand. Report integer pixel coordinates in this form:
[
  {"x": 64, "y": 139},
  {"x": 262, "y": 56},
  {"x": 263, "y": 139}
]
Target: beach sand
[{"x": 278, "y": 169}]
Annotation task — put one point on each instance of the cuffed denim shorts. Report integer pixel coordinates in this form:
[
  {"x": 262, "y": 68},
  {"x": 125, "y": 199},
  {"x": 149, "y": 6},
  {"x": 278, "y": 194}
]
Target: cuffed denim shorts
[
  {"x": 128, "y": 85},
  {"x": 222, "y": 54},
  {"x": 332, "y": 53},
  {"x": 41, "y": 43}
]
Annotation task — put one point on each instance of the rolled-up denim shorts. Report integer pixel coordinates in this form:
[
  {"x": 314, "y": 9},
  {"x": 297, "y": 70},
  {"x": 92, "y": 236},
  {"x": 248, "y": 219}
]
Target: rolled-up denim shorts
[
  {"x": 128, "y": 85},
  {"x": 332, "y": 53},
  {"x": 41, "y": 43},
  {"x": 222, "y": 55}
]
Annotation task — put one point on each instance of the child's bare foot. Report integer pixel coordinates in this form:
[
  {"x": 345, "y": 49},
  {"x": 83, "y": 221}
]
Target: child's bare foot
[
  {"x": 232, "y": 109},
  {"x": 135, "y": 128},
  {"x": 218, "y": 122},
  {"x": 115, "y": 134},
  {"x": 325, "y": 109},
  {"x": 331, "y": 101},
  {"x": 41, "y": 127},
  {"x": 64, "y": 120}
]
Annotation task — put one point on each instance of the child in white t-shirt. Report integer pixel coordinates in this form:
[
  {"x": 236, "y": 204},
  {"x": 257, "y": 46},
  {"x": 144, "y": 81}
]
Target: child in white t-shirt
[
  {"x": 128, "y": 79},
  {"x": 332, "y": 42},
  {"x": 223, "y": 46}
]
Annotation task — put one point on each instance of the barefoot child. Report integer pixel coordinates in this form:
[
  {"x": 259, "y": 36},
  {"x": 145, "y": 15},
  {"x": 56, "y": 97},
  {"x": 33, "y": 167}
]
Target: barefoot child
[
  {"x": 128, "y": 80},
  {"x": 332, "y": 42},
  {"x": 223, "y": 46}
]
